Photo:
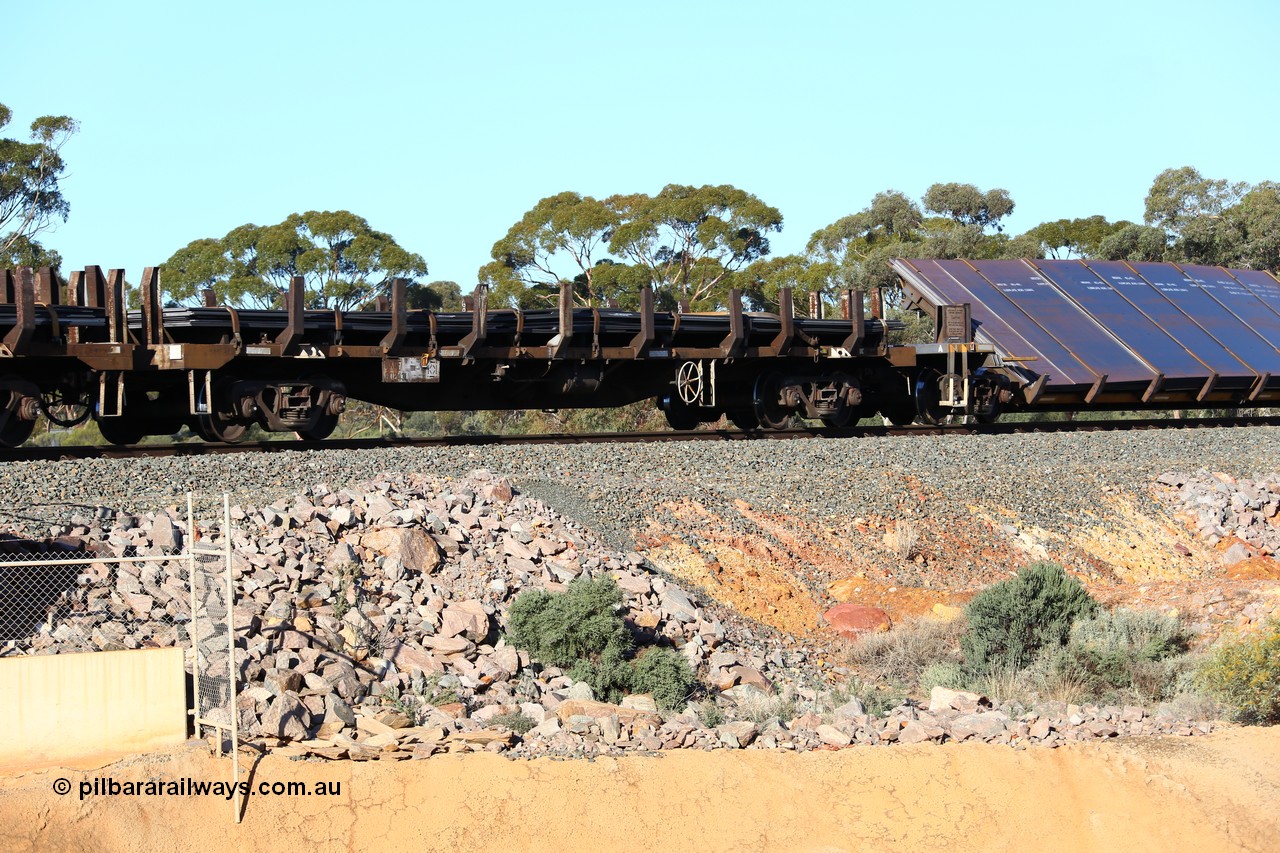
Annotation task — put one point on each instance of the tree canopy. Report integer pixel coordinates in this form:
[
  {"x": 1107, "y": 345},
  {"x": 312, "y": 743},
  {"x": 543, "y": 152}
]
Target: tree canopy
[
  {"x": 1179, "y": 197},
  {"x": 1075, "y": 238},
  {"x": 855, "y": 249},
  {"x": 692, "y": 244},
  {"x": 686, "y": 242},
  {"x": 31, "y": 199},
  {"x": 344, "y": 261}
]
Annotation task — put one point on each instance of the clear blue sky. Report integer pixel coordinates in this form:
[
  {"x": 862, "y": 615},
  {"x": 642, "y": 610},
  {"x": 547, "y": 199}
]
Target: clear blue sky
[{"x": 443, "y": 123}]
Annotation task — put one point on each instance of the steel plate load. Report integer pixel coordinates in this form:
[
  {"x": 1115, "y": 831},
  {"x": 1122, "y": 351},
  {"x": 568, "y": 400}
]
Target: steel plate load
[{"x": 1154, "y": 335}]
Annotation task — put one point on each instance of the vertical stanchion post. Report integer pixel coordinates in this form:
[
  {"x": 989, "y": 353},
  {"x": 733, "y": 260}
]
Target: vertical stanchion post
[
  {"x": 191, "y": 625},
  {"x": 231, "y": 655}
]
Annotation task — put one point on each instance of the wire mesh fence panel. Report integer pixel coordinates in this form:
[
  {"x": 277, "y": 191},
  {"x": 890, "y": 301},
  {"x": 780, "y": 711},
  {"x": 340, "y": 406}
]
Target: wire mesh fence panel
[
  {"x": 213, "y": 659},
  {"x": 213, "y": 663},
  {"x": 57, "y": 600}
]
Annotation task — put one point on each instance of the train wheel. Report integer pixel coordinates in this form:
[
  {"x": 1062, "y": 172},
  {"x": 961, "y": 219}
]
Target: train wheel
[
  {"x": 15, "y": 430},
  {"x": 322, "y": 429},
  {"x": 927, "y": 396},
  {"x": 767, "y": 402},
  {"x": 215, "y": 427},
  {"x": 120, "y": 430},
  {"x": 743, "y": 419},
  {"x": 19, "y": 408},
  {"x": 679, "y": 416}
]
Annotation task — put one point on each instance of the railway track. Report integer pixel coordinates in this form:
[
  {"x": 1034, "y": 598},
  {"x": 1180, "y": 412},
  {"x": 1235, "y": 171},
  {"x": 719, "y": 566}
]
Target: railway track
[{"x": 71, "y": 452}]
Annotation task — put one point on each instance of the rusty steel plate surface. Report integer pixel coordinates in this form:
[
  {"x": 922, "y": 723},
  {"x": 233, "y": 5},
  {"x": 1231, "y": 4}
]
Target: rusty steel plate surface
[
  {"x": 988, "y": 325},
  {"x": 1263, "y": 285},
  {"x": 1011, "y": 305},
  {"x": 1240, "y": 300},
  {"x": 1184, "y": 328},
  {"x": 1125, "y": 319},
  {"x": 1066, "y": 321},
  {"x": 1198, "y": 300},
  {"x": 1129, "y": 322}
]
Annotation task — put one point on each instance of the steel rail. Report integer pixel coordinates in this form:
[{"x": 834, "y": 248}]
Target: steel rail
[{"x": 72, "y": 452}]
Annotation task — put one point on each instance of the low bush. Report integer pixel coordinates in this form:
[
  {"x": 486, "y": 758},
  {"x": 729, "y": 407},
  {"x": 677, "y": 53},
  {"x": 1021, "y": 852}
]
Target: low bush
[
  {"x": 1244, "y": 672},
  {"x": 666, "y": 674},
  {"x": 901, "y": 655},
  {"x": 513, "y": 721},
  {"x": 1011, "y": 621},
  {"x": 1121, "y": 655},
  {"x": 581, "y": 631},
  {"x": 580, "y": 624},
  {"x": 943, "y": 674}
]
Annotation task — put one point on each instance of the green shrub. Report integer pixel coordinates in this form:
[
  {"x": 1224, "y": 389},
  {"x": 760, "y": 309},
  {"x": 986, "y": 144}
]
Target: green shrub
[
  {"x": 513, "y": 721},
  {"x": 1011, "y": 621},
  {"x": 1244, "y": 672},
  {"x": 1137, "y": 652},
  {"x": 580, "y": 624},
  {"x": 581, "y": 632},
  {"x": 666, "y": 674},
  {"x": 943, "y": 674},
  {"x": 609, "y": 674}
]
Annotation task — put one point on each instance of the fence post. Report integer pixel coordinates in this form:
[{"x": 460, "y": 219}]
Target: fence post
[
  {"x": 191, "y": 620},
  {"x": 231, "y": 655}
]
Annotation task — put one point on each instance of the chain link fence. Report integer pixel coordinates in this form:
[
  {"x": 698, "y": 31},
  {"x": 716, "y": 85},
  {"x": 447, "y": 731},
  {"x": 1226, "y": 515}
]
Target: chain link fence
[
  {"x": 56, "y": 598},
  {"x": 112, "y": 581},
  {"x": 214, "y": 665}
]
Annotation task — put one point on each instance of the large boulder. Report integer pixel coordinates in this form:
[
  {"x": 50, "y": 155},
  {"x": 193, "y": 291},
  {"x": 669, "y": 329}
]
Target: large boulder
[
  {"x": 287, "y": 717},
  {"x": 597, "y": 710},
  {"x": 854, "y": 620},
  {"x": 945, "y": 699},
  {"x": 415, "y": 550},
  {"x": 466, "y": 618}
]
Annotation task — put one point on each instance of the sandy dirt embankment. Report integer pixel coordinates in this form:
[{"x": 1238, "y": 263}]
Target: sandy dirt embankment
[{"x": 1213, "y": 793}]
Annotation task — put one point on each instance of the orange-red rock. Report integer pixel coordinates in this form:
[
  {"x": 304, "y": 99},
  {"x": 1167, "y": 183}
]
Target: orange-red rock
[{"x": 854, "y": 620}]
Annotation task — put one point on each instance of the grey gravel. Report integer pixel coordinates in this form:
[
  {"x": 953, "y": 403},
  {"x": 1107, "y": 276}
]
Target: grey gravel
[{"x": 1048, "y": 480}]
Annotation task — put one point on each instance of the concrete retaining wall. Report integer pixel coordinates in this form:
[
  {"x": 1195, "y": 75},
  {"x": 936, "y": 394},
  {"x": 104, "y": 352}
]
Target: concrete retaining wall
[{"x": 64, "y": 707}]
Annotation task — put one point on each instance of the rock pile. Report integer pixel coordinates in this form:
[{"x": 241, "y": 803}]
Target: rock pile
[
  {"x": 1241, "y": 518},
  {"x": 1221, "y": 507},
  {"x": 578, "y": 727},
  {"x": 369, "y": 624}
]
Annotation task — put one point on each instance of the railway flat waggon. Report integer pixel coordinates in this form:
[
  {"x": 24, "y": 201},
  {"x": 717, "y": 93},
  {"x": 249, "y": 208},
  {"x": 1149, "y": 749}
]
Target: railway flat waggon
[{"x": 1010, "y": 336}]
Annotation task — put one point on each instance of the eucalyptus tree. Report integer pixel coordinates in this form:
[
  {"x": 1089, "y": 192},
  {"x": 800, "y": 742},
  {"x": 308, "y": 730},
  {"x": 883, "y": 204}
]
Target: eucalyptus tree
[
  {"x": 1245, "y": 234},
  {"x": 561, "y": 239},
  {"x": 31, "y": 199},
  {"x": 344, "y": 261},
  {"x": 685, "y": 242},
  {"x": 968, "y": 205},
  {"x": 1135, "y": 243},
  {"x": 858, "y": 247},
  {"x": 1075, "y": 238},
  {"x": 762, "y": 280},
  {"x": 691, "y": 240},
  {"x": 1180, "y": 196}
]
